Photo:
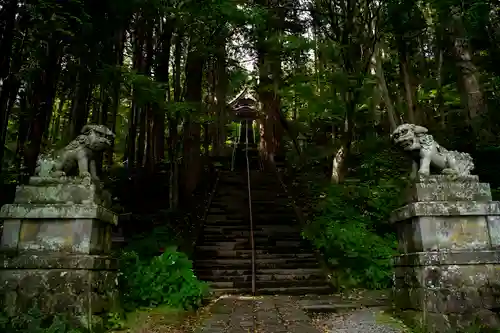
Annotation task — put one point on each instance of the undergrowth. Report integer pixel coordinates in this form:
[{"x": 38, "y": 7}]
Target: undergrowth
[
  {"x": 34, "y": 321},
  {"x": 166, "y": 279},
  {"x": 350, "y": 225}
]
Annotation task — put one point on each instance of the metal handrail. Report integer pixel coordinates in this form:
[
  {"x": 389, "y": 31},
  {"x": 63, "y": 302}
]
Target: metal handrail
[
  {"x": 252, "y": 242},
  {"x": 235, "y": 144}
]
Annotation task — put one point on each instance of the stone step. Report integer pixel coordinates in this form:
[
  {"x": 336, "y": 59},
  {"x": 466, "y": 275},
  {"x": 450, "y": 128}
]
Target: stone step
[
  {"x": 257, "y": 211},
  {"x": 233, "y": 213},
  {"x": 247, "y": 254},
  {"x": 313, "y": 290},
  {"x": 216, "y": 251},
  {"x": 295, "y": 290},
  {"x": 237, "y": 221},
  {"x": 281, "y": 263},
  {"x": 267, "y": 195},
  {"x": 246, "y": 282},
  {"x": 271, "y": 203},
  {"x": 258, "y": 228},
  {"x": 236, "y": 235},
  {"x": 274, "y": 217},
  {"x": 236, "y": 179},
  {"x": 243, "y": 232},
  {"x": 228, "y": 205},
  {"x": 231, "y": 208},
  {"x": 260, "y": 242},
  {"x": 267, "y": 221},
  {"x": 274, "y": 291},
  {"x": 236, "y": 218},
  {"x": 216, "y": 291},
  {"x": 225, "y": 229},
  {"x": 228, "y": 192},
  {"x": 262, "y": 274}
]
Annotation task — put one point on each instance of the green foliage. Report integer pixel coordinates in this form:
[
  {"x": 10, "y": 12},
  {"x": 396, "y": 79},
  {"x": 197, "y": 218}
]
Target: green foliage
[
  {"x": 114, "y": 321},
  {"x": 34, "y": 321},
  {"x": 350, "y": 225},
  {"x": 359, "y": 256},
  {"x": 167, "y": 279},
  {"x": 150, "y": 244}
]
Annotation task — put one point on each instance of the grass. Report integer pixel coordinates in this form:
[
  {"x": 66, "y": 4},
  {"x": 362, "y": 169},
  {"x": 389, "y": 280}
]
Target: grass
[{"x": 162, "y": 319}]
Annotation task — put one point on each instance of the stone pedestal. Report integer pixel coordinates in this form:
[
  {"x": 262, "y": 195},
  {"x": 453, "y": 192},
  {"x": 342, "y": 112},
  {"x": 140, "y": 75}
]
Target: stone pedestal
[
  {"x": 54, "y": 251},
  {"x": 448, "y": 271}
]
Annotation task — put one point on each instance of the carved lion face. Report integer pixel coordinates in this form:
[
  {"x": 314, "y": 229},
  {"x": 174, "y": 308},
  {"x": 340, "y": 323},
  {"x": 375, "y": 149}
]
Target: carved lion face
[
  {"x": 406, "y": 136},
  {"x": 98, "y": 137}
]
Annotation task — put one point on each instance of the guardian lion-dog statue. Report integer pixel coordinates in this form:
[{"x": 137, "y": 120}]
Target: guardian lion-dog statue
[
  {"x": 78, "y": 154},
  {"x": 427, "y": 153}
]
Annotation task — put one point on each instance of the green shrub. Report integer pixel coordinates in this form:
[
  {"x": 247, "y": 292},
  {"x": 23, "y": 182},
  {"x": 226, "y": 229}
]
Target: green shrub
[
  {"x": 344, "y": 234},
  {"x": 149, "y": 244},
  {"x": 167, "y": 279},
  {"x": 34, "y": 321},
  {"x": 350, "y": 224}
]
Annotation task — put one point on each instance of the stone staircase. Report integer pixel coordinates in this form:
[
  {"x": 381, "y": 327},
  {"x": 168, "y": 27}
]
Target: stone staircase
[{"x": 285, "y": 264}]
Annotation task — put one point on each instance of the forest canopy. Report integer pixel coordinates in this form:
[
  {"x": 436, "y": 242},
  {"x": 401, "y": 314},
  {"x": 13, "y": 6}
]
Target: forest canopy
[{"x": 329, "y": 75}]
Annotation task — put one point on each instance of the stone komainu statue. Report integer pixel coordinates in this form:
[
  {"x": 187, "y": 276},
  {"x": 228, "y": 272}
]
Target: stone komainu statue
[
  {"x": 426, "y": 152},
  {"x": 78, "y": 154}
]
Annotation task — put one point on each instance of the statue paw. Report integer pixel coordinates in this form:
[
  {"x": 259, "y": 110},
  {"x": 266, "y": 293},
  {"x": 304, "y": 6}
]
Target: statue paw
[
  {"x": 86, "y": 175},
  {"x": 423, "y": 173},
  {"x": 58, "y": 174},
  {"x": 448, "y": 171},
  {"x": 86, "y": 179}
]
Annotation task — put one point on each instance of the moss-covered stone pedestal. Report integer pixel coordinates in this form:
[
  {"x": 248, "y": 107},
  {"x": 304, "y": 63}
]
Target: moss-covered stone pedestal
[
  {"x": 447, "y": 275},
  {"x": 55, "y": 251}
]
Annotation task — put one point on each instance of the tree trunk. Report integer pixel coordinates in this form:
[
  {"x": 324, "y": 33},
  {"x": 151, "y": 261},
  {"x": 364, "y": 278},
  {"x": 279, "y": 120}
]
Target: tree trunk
[
  {"x": 471, "y": 94},
  {"x": 43, "y": 100},
  {"x": 118, "y": 52},
  {"x": 8, "y": 84},
  {"x": 385, "y": 91},
  {"x": 194, "y": 80},
  {"x": 146, "y": 112},
  {"x": 163, "y": 75},
  {"x": 407, "y": 83},
  {"x": 177, "y": 65},
  {"x": 173, "y": 121},
  {"x": 135, "y": 110},
  {"x": 220, "y": 96},
  {"x": 472, "y": 97},
  {"x": 339, "y": 166},
  {"x": 80, "y": 108},
  {"x": 22, "y": 133},
  {"x": 439, "y": 93},
  {"x": 8, "y": 14}
]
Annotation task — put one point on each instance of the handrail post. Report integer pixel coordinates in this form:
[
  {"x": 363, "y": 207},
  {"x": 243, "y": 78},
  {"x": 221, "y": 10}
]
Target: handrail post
[{"x": 252, "y": 242}]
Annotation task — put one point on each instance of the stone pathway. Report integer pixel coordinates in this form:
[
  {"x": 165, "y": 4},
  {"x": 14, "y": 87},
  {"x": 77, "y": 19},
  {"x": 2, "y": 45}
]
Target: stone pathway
[
  {"x": 369, "y": 320},
  {"x": 350, "y": 313},
  {"x": 273, "y": 314}
]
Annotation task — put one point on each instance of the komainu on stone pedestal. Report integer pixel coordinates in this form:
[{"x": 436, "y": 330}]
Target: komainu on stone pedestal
[
  {"x": 78, "y": 154},
  {"x": 56, "y": 240},
  {"x": 427, "y": 153},
  {"x": 447, "y": 273}
]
